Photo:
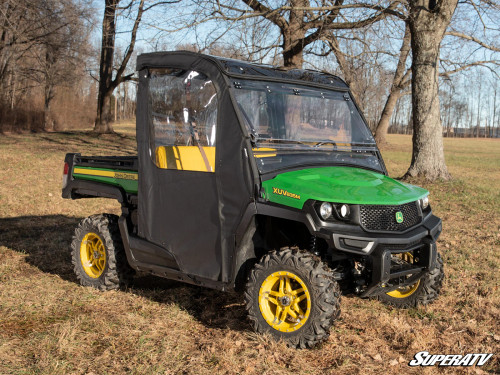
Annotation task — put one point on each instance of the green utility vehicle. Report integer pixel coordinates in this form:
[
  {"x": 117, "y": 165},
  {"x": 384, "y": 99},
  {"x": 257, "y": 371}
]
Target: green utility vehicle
[{"x": 258, "y": 179}]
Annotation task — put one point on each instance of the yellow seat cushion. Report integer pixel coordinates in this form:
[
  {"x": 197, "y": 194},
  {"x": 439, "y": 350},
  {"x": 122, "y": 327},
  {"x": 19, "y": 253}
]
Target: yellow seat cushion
[{"x": 185, "y": 158}]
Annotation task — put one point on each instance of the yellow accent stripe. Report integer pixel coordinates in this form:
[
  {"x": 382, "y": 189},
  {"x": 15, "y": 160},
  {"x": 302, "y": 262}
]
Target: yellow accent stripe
[
  {"x": 112, "y": 174},
  {"x": 267, "y": 152}
]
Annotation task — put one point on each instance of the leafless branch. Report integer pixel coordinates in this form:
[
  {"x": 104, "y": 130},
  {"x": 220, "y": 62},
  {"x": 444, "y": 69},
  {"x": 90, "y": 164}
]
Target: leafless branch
[{"x": 474, "y": 39}]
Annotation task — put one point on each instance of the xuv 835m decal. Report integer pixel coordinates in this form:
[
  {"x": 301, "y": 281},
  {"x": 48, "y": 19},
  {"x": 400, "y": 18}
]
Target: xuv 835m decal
[{"x": 285, "y": 193}]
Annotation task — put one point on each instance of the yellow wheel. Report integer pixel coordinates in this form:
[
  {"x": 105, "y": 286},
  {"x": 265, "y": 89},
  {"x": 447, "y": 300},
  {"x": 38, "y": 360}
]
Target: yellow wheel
[
  {"x": 97, "y": 253},
  {"x": 292, "y": 296},
  {"x": 284, "y": 301},
  {"x": 405, "y": 291},
  {"x": 93, "y": 255},
  {"x": 423, "y": 292}
]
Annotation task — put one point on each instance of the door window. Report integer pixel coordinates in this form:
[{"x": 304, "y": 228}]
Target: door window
[{"x": 184, "y": 119}]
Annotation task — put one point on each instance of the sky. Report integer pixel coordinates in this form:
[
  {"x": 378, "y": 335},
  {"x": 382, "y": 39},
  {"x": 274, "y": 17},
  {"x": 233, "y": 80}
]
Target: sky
[{"x": 479, "y": 81}]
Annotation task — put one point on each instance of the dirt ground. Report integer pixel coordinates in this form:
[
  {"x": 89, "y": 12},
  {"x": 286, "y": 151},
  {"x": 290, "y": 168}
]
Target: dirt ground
[{"x": 49, "y": 324}]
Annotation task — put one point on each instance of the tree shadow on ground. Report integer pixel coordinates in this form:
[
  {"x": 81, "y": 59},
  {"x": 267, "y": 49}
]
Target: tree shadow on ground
[
  {"x": 84, "y": 141},
  {"x": 46, "y": 241}
]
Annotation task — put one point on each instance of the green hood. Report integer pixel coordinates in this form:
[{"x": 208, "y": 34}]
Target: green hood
[{"x": 339, "y": 185}]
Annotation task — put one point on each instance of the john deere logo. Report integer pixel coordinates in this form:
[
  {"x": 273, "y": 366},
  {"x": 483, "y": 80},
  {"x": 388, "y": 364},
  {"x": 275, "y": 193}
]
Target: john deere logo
[{"x": 399, "y": 217}]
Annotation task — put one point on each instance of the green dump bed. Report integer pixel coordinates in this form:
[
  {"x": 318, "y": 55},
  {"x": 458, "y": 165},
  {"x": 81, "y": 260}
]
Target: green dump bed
[{"x": 94, "y": 176}]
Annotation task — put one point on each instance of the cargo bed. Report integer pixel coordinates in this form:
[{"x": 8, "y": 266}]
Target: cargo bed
[{"x": 100, "y": 176}]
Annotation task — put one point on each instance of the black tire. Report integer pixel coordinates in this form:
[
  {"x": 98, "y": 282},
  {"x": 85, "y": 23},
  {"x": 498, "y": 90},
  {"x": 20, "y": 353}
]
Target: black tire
[
  {"x": 427, "y": 291},
  {"x": 116, "y": 273},
  {"x": 323, "y": 290}
]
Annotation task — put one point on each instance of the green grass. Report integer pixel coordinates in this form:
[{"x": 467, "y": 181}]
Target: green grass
[{"x": 51, "y": 325}]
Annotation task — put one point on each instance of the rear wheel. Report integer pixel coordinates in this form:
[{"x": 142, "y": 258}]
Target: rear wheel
[
  {"x": 292, "y": 295},
  {"x": 423, "y": 292},
  {"x": 98, "y": 256}
]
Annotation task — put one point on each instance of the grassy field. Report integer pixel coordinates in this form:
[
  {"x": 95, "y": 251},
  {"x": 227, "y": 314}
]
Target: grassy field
[{"x": 49, "y": 324}]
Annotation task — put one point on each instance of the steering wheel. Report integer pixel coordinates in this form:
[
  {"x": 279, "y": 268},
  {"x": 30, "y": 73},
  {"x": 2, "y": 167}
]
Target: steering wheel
[{"x": 326, "y": 143}]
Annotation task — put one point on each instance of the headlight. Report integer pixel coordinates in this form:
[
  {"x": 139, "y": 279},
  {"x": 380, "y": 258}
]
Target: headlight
[
  {"x": 425, "y": 202},
  {"x": 325, "y": 210},
  {"x": 344, "y": 211}
]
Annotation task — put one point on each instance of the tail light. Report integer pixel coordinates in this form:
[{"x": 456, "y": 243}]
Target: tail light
[{"x": 65, "y": 175}]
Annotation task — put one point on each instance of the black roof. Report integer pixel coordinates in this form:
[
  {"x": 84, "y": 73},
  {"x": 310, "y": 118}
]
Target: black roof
[
  {"x": 233, "y": 67},
  {"x": 245, "y": 69}
]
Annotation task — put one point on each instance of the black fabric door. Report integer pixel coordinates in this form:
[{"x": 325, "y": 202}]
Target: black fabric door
[
  {"x": 178, "y": 203},
  {"x": 195, "y": 181}
]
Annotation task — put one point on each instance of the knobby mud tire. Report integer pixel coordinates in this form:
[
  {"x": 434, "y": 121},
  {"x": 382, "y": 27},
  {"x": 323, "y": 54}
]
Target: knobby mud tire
[
  {"x": 323, "y": 289},
  {"x": 117, "y": 273}
]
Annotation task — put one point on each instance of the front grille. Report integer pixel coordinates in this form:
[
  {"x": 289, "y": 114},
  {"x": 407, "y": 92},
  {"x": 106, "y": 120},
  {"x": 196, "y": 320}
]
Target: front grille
[{"x": 383, "y": 218}]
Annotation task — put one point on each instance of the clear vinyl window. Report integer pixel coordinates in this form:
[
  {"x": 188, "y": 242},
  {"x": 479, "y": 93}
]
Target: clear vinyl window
[
  {"x": 294, "y": 113},
  {"x": 293, "y": 125},
  {"x": 183, "y": 118}
]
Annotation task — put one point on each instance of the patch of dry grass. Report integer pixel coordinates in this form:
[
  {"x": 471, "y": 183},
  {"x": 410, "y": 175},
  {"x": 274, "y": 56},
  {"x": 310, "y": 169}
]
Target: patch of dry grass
[{"x": 51, "y": 325}]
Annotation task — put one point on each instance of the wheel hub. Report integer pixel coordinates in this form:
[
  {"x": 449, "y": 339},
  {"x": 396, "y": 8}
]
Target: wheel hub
[
  {"x": 93, "y": 255},
  {"x": 284, "y": 301}
]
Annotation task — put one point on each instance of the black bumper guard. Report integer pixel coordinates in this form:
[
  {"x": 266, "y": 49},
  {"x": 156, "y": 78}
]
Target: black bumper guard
[{"x": 386, "y": 278}]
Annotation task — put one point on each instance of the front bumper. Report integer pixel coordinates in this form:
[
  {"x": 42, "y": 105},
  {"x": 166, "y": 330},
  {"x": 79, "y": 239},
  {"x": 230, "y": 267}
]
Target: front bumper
[
  {"x": 373, "y": 249},
  {"x": 386, "y": 277},
  {"x": 378, "y": 248},
  {"x": 364, "y": 244}
]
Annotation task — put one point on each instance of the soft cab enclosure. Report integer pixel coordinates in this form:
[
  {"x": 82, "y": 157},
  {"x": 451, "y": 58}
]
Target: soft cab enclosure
[
  {"x": 191, "y": 201},
  {"x": 198, "y": 198}
]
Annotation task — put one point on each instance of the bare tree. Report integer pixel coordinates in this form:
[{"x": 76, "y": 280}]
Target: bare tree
[
  {"x": 107, "y": 83},
  {"x": 109, "y": 78},
  {"x": 399, "y": 85},
  {"x": 60, "y": 54},
  {"x": 428, "y": 21},
  {"x": 366, "y": 69},
  {"x": 41, "y": 43},
  {"x": 459, "y": 30},
  {"x": 301, "y": 23}
]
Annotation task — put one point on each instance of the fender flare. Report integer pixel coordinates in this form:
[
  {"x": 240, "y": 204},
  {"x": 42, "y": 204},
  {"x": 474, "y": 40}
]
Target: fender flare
[{"x": 243, "y": 251}]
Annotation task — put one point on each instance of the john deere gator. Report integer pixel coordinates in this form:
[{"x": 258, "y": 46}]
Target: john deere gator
[{"x": 258, "y": 179}]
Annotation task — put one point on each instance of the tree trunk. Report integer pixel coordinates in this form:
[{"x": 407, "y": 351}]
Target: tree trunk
[
  {"x": 478, "y": 117},
  {"x": 104, "y": 116},
  {"x": 385, "y": 118},
  {"x": 50, "y": 53},
  {"x": 350, "y": 76},
  {"x": 48, "y": 123},
  {"x": 493, "y": 123},
  {"x": 293, "y": 37},
  {"x": 399, "y": 83},
  {"x": 12, "y": 87},
  {"x": 428, "y": 23},
  {"x": 292, "y": 59},
  {"x": 293, "y": 51}
]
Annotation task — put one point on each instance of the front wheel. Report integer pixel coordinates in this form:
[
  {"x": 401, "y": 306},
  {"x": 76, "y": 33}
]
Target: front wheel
[
  {"x": 423, "y": 292},
  {"x": 293, "y": 296}
]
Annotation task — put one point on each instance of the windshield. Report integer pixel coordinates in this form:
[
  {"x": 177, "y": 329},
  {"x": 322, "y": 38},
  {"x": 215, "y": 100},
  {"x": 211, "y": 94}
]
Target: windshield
[{"x": 294, "y": 125}]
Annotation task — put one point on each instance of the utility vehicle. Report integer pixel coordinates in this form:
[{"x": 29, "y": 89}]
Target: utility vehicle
[{"x": 255, "y": 178}]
